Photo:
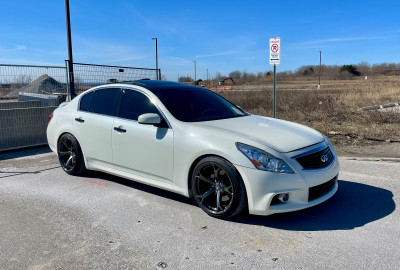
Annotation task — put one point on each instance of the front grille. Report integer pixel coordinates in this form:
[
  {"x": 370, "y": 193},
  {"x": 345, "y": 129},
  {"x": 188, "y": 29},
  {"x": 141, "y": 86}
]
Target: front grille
[
  {"x": 316, "y": 160},
  {"x": 318, "y": 191}
]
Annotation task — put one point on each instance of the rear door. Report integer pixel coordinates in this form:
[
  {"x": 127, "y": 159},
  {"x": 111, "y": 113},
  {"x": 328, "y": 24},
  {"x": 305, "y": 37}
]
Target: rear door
[
  {"x": 93, "y": 123},
  {"x": 145, "y": 150}
]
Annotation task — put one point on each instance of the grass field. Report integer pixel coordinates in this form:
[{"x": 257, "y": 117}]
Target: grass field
[{"x": 332, "y": 110}]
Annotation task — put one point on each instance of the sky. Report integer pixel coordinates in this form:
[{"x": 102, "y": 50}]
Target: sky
[{"x": 221, "y": 36}]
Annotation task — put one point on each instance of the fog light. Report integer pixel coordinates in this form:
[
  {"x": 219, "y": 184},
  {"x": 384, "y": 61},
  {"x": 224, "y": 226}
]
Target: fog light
[{"x": 284, "y": 197}]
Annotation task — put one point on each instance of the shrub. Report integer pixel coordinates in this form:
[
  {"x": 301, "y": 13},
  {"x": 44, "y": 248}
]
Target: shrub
[{"x": 351, "y": 69}]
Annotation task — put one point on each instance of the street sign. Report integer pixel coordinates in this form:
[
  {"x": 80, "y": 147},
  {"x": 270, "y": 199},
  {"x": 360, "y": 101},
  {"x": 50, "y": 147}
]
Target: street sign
[{"x": 274, "y": 51}]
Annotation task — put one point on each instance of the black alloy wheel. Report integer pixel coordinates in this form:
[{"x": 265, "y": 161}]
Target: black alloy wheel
[
  {"x": 218, "y": 188},
  {"x": 70, "y": 155}
]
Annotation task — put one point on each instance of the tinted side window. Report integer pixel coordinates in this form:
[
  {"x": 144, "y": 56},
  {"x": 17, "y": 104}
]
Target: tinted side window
[
  {"x": 103, "y": 101},
  {"x": 85, "y": 102},
  {"x": 134, "y": 104},
  {"x": 196, "y": 104}
]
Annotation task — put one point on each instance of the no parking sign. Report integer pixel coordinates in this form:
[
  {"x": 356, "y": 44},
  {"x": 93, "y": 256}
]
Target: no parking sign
[
  {"x": 274, "y": 51},
  {"x": 274, "y": 60}
]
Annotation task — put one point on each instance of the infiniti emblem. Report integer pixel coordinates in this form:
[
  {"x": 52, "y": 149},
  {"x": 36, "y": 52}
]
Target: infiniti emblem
[{"x": 324, "y": 158}]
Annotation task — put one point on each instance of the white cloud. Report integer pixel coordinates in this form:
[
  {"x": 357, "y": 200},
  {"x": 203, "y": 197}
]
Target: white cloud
[
  {"x": 320, "y": 43},
  {"x": 24, "y": 61},
  {"x": 177, "y": 61},
  {"x": 20, "y": 47},
  {"x": 14, "y": 48},
  {"x": 216, "y": 54},
  {"x": 106, "y": 52},
  {"x": 167, "y": 27}
]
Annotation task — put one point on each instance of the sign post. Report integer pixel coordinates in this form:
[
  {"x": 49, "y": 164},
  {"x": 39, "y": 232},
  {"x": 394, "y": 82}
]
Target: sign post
[{"x": 275, "y": 59}]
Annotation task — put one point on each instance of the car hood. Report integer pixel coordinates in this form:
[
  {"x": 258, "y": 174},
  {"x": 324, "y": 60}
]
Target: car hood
[{"x": 282, "y": 136}]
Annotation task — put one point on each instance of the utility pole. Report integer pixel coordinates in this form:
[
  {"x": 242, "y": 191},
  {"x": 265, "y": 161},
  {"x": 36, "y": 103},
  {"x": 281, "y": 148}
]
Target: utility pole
[
  {"x": 274, "y": 104},
  {"x": 71, "y": 93},
  {"x": 194, "y": 70},
  {"x": 207, "y": 75},
  {"x": 319, "y": 75},
  {"x": 156, "y": 57}
]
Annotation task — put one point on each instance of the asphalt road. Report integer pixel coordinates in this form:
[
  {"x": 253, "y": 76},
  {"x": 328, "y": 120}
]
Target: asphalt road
[{"x": 50, "y": 220}]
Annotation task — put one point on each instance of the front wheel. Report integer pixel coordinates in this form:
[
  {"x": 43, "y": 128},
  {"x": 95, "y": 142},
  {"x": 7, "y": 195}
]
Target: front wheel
[
  {"x": 70, "y": 155},
  {"x": 218, "y": 188}
]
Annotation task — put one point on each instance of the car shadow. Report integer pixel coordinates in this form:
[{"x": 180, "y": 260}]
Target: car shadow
[
  {"x": 353, "y": 205},
  {"x": 6, "y": 174},
  {"x": 30, "y": 151},
  {"x": 139, "y": 186}
]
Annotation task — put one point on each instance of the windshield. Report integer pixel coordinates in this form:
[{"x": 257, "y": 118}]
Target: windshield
[{"x": 194, "y": 104}]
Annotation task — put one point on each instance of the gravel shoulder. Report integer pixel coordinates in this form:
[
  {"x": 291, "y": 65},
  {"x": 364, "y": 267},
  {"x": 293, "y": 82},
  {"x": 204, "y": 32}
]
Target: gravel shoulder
[{"x": 375, "y": 150}]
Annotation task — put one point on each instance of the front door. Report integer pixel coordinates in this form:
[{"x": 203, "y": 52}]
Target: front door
[{"x": 145, "y": 150}]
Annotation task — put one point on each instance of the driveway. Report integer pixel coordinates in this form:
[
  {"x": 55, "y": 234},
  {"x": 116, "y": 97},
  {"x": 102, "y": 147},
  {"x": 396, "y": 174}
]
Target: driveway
[{"x": 50, "y": 220}]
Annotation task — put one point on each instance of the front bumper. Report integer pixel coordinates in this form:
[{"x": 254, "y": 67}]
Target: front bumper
[{"x": 262, "y": 186}]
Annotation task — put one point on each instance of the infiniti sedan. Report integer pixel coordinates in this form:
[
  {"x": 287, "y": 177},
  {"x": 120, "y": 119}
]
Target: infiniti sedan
[{"x": 191, "y": 141}]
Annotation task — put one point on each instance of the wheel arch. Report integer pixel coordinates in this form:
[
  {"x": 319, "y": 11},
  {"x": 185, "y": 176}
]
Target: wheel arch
[
  {"x": 72, "y": 134},
  {"x": 75, "y": 163},
  {"x": 196, "y": 161},
  {"x": 63, "y": 133}
]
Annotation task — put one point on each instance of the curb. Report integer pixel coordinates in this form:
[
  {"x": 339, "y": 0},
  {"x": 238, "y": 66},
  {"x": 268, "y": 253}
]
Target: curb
[{"x": 372, "y": 159}]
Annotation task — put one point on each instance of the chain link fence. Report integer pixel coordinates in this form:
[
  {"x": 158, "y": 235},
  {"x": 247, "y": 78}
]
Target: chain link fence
[
  {"x": 90, "y": 75},
  {"x": 24, "y": 103},
  {"x": 28, "y": 94},
  {"x": 32, "y": 79}
]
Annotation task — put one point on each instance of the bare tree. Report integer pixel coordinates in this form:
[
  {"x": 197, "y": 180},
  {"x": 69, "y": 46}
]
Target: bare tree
[
  {"x": 185, "y": 79},
  {"x": 364, "y": 68},
  {"x": 236, "y": 75},
  {"x": 22, "y": 80},
  {"x": 219, "y": 76}
]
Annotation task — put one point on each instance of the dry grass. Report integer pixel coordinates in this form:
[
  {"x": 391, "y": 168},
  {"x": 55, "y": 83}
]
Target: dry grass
[{"x": 332, "y": 109}]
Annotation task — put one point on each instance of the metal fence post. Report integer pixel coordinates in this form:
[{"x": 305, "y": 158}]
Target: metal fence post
[
  {"x": 71, "y": 79},
  {"x": 67, "y": 79}
]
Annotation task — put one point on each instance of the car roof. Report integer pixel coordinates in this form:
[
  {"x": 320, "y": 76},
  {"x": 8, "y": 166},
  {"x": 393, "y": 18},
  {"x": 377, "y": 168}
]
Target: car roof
[{"x": 155, "y": 84}]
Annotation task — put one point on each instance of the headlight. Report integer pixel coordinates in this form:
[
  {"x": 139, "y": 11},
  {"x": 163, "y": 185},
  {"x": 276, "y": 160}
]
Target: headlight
[{"x": 263, "y": 160}]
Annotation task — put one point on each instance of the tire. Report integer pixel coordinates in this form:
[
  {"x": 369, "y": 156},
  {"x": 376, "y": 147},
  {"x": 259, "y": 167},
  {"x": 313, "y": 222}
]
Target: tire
[
  {"x": 70, "y": 155},
  {"x": 218, "y": 188}
]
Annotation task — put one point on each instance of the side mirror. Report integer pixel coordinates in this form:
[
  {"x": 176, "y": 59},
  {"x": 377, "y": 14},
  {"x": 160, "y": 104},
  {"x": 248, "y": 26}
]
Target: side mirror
[{"x": 149, "y": 119}]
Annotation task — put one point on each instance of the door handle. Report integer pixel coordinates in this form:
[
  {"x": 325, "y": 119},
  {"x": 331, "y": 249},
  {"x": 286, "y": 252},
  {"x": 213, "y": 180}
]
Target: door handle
[
  {"x": 80, "y": 120},
  {"x": 121, "y": 130}
]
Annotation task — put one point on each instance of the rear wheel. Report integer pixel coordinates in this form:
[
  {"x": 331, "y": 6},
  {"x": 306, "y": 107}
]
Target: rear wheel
[
  {"x": 218, "y": 188},
  {"x": 70, "y": 155}
]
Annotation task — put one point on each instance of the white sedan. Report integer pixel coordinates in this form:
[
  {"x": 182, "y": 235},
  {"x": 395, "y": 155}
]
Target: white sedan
[{"x": 192, "y": 141}]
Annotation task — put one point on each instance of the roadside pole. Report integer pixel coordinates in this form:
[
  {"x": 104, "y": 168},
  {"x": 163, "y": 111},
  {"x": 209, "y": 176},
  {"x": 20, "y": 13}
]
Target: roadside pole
[
  {"x": 319, "y": 71},
  {"x": 274, "y": 91},
  {"x": 274, "y": 59},
  {"x": 72, "y": 93}
]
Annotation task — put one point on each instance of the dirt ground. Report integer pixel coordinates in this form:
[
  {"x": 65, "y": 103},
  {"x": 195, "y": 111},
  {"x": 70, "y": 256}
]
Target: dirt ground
[
  {"x": 374, "y": 150},
  {"x": 334, "y": 110}
]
